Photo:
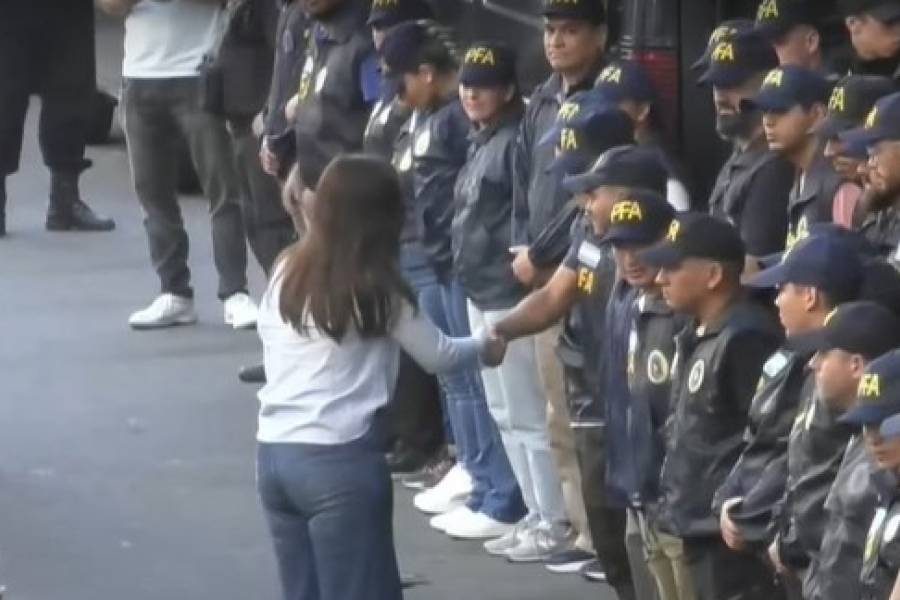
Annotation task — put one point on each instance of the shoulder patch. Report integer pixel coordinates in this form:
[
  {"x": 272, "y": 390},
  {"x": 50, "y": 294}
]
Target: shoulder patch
[
  {"x": 696, "y": 375},
  {"x": 657, "y": 367},
  {"x": 776, "y": 364},
  {"x": 589, "y": 254},
  {"x": 423, "y": 142}
]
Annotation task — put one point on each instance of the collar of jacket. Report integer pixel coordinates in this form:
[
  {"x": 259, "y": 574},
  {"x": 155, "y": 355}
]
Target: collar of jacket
[
  {"x": 342, "y": 24},
  {"x": 752, "y": 153},
  {"x": 653, "y": 304},
  {"x": 552, "y": 88},
  {"x": 715, "y": 327},
  {"x": 818, "y": 169},
  {"x": 509, "y": 116}
]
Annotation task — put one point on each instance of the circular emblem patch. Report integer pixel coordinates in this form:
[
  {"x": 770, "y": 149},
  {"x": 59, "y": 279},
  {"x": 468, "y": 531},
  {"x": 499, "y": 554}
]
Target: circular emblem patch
[
  {"x": 320, "y": 79},
  {"x": 695, "y": 378},
  {"x": 657, "y": 367},
  {"x": 423, "y": 142}
]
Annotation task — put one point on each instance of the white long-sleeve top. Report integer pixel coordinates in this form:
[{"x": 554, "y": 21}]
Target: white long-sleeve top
[{"x": 319, "y": 391}]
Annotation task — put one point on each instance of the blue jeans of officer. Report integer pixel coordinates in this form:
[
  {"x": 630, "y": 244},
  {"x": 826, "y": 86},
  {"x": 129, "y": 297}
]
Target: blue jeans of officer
[
  {"x": 479, "y": 448},
  {"x": 330, "y": 512}
]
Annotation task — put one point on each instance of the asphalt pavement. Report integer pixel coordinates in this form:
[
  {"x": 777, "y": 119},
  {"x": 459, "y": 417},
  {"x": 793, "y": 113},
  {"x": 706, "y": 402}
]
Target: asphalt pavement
[{"x": 127, "y": 458}]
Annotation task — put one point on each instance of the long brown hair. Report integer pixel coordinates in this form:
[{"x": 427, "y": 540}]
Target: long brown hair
[{"x": 345, "y": 271}]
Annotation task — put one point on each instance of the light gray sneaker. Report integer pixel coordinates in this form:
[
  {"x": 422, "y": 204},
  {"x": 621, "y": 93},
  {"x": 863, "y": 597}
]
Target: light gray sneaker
[
  {"x": 538, "y": 544},
  {"x": 503, "y": 544}
]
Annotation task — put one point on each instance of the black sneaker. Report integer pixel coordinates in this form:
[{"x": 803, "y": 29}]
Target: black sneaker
[
  {"x": 571, "y": 560},
  {"x": 594, "y": 571}
]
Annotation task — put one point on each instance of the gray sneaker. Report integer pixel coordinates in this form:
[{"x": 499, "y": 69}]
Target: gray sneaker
[
  {"x": 508, "y": 541},
  {"x": 538, "y": 544}
]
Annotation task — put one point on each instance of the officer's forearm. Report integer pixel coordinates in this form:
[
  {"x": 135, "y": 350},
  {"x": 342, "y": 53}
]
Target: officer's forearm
[
  {"x": 895, "y": 594},
  {"x": 116, "y": 8},
  {"x": 541, "y": 309}
]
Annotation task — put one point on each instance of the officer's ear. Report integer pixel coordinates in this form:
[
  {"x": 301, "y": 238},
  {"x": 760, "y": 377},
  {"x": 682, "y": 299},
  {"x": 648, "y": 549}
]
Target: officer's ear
[
  {"x": 428, "y": 73},
  {"x": 813, "y": 40},
  {"x": 602, "y": 36},
  {"x": 857, "y": 365},
  {"x": 715, "y": 275},
  {"x": 511, "y": 92},
  {"x": 817, "y": 113}
]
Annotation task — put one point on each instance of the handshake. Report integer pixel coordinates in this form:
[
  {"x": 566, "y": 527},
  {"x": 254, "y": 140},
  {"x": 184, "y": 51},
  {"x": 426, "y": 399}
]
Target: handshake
[{"x": 494, "y": 350}]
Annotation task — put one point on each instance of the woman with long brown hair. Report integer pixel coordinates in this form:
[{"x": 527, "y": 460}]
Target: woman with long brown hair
[{"x": 333, "y": 321}]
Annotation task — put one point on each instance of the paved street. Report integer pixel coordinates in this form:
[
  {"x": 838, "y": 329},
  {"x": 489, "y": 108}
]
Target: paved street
[{"x": 127, "y": 469}]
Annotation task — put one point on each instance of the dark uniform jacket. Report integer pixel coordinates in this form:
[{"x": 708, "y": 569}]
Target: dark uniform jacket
[
  {"x": 760, "y": 475},
  {"x": 389, "y": 116},
  {"x": 882, "y": 230},
  {"x": 849, "y": 508},
  {"x": 481, "y": 227},
  {"x": 538, "y": 197},
  {"x": 636, "y": 443},
  {"x": 751, "y": 191},
  {"x": 812, "y": 198},
  {"x": 815, "y": 451},
  {"x": 881, "y": 558},
  {"x": 715, "y": 373},
  {"x": 581, "y": 348},
  {"x": 440, "y": 146},
  {"x": 339, "y": 82}
]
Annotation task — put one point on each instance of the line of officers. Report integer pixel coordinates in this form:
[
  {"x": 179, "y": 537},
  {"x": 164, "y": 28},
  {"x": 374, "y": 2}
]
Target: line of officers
[{"x": 748, "y": 458}]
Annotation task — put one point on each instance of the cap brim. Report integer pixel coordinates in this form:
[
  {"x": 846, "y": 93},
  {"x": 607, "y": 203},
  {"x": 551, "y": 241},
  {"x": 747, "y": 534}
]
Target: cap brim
[
  {"x": 724, "y": 77},
  {"x": 771, "y": 100},
  {"x": 582, "y": 184},
  {"x": 890, "y": 427},
  {"x": 833, "y": 126},
  {"x": 627, "y": 236},
  {"x": 870, "y": 414},
  {"x": 702, "y": 63},
  {"x": 772, "y": 30},
  {"x": 770, "y": 260},
  {"x": 769, "y": 277},
  {"x": 570, "y": 163},
  {"x": 886, "y": 13},
  {"x": 810, "y": 342},
  {"x": 862, "y": 137},
  {"x": 665, "y": 254}
]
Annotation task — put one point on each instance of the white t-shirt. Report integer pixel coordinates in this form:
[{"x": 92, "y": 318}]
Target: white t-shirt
[
  {"x": 168, "y": 38},
  {"x": 319, "y": 391}
]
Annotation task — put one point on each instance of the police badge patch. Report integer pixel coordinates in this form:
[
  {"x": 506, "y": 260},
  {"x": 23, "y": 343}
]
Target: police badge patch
[
  {"x": 658, "y": 368},
  {"x": 423, "y": 141},
  {"x": 695, "y": 378}
]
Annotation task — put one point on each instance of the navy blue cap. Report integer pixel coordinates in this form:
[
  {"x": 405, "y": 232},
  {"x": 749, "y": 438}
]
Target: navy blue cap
[
  {"x": 725, "y": 31},
  {"x": 625, "y": 80},
  {"x": 400, "y": 48},
  {"x": 736, "y": 59},
  {"x": 852, "y": 99},
  {"x": 890, "y": 427},
  {"x": 882, "y": 123},
  {"x": 624, "y": 166},
  {"x": 387, "y": 13},
  {"x": 697, "y": 235},
  {"x": 789, "y": 86},
  {"x": 774, "y": 18},
  {"x": 591, "y": 11},
  {"x": 488, "y": 64},
  {"x": 641, "y": 218},
  {"x": 878, "y": 395},
  {"x": 881, "y": 284},
  {"x": 827, "y": 262},
  {"x": 586, "y": 127},
  {"x": 862, "y": 327},
  {"x": 886, "y": 11}
]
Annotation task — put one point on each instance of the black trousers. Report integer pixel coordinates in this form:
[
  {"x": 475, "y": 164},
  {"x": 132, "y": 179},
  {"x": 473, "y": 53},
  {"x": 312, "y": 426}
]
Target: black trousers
[
  {"x": 46, "y": 48},
  {"x": 720, "y": 573},
  {"x": 607, "y": 523},
  {"x": 269, "y": 227}
]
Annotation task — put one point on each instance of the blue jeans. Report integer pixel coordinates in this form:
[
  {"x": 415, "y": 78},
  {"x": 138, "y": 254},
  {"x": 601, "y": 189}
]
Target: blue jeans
[
  {"x": 330, "y": 511},
  {"x": 479, "y": 448}
]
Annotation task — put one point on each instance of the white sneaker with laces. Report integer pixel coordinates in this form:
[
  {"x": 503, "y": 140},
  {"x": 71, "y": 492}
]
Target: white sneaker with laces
[
  {"x": 451, "y": 492},
  {"x": 475, "y": 526},
  {"x": 440, "y": 522},
  {"x": 168, "y": 310},
  {"x": 240, "y": 311},
  {"x": 538, "y": 544}
]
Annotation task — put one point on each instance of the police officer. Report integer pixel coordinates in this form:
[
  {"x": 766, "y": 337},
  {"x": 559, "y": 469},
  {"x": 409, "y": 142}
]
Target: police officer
[
  {"x": 278, "y": 148},
  {"x": 639, "y": 348},
  {"x": 853, "y": 335},
  {"x": 851, "y": 101},
  {"x": 874, "y": 33},
  {"x": 390, "y": 114},
  {"x": 719, "y": 357},
  {"x": 817, "y": 275},
  {"x": 793, "y": 102},
  {"x": 876, "y": 409},
  {"x": 48, "y": 48},
  {"x": 582, "y": 283},
  {"x": 797, "y": 31},
  {"x": 752, "y": 187},
  {"x": 339, "y": 82},
  {"x": 575, "y": 37}
]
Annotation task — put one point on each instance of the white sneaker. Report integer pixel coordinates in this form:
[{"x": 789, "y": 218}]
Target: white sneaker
[
  {"x": 440, "y": 522},
  {"x": 475, "y": 526},
  {"x": 240, "y": 311},
  {"x": 451, "y": 492},
  {"x": 167, "y": 310},
  {"x": 538, "y": 544}
]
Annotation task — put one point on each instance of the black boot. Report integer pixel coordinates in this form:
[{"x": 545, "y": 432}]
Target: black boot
[
  {"x": 67, "y": 212},
  {"x": 2, "y": 206}
]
